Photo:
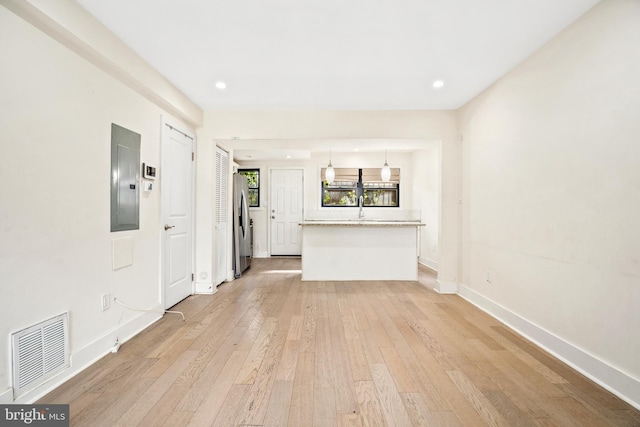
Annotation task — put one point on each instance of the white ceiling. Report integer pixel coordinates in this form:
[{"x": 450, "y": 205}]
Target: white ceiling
[{"x": 334, "y": 54}]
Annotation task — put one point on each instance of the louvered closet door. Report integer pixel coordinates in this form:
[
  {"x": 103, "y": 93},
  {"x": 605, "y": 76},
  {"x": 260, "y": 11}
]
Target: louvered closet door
[{"x": 222, "y": 214}]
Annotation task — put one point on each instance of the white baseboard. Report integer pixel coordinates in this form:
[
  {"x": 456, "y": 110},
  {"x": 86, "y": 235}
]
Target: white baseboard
[
  {"x": 612, "y": 379},
  {"x": 261, "y": 254},
  {"x": 6, "y": 397},
  {"x": 87, "y": 356},
  {"x": 430, "y": 263},
  {"x": 446, "y": 287},
  {"x": 205, "y": 288}
]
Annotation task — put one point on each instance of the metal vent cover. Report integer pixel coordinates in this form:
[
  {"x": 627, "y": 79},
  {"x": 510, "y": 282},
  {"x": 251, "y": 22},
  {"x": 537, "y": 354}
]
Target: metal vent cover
[{"x": 39, "y": 352}]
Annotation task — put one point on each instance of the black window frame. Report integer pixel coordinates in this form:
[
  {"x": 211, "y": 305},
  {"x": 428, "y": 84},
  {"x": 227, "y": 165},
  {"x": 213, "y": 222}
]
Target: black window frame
[
  {"x": 360, "y": 191},
  {"x": 256, "y": 187}
]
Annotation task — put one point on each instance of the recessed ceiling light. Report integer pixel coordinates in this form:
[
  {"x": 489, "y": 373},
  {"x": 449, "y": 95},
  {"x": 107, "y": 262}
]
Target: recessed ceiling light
[
  {"x": 221, "y": 85},
  {"x": 438, "y": 84},
  {"x": 288, "y": 156}
]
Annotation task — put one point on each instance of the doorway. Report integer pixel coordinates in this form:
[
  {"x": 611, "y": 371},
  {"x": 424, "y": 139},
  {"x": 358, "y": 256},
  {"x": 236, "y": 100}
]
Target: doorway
[{"x": 286, "y": 211}]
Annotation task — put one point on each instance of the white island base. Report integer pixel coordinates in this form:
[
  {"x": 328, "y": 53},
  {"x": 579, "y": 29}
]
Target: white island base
[{"x": 359, "y": 250}]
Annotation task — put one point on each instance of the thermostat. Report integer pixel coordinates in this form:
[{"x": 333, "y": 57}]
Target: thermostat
[{"x": 148, "y": 171}]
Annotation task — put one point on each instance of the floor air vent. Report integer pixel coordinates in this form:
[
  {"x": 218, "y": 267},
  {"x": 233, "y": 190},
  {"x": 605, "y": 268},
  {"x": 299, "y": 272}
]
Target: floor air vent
[{"x": 39, "y": 352}]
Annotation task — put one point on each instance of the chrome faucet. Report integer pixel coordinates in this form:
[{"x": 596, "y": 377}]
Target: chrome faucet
[{"x": 360, "y": 204}]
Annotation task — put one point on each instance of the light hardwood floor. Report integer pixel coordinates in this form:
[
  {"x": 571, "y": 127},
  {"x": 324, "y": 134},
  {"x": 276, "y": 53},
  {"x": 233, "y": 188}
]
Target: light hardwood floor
[{"x": 268, "y": 349}]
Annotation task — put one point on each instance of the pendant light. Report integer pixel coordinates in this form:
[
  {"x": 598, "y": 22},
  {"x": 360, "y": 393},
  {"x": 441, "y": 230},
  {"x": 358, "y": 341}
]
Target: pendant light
[
  {"x": 385, "y": 173},
  {"x": 330, "y": 173}
]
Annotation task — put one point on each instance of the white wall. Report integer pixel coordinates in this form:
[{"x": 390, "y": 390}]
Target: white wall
[
  {"x": 426, "y": 186},
  {"x": 552, "y": 196},
  {"x": 235, "y": 127},
  {"x": 55, "y": 251}
]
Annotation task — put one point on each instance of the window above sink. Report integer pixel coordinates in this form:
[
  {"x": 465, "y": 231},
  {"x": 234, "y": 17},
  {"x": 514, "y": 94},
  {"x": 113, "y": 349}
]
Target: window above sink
[{"x": 351, "y": 183}]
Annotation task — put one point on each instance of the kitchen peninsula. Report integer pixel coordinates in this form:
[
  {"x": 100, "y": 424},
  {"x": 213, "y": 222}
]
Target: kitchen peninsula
[{"x": 382, "y": 248}]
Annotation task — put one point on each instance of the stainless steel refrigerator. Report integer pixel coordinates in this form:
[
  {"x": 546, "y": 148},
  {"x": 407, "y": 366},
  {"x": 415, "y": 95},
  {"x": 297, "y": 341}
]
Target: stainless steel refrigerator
[{"x": 242, "y": 225}]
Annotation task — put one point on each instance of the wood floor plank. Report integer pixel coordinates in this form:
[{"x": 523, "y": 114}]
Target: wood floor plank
[
  {"x": 420, "y": 415},
  {"x": 208, "y": 409},
  {"x": 178, "y": 419},
  {"x": 509, "y": 411},
  {"x": 279, "y": 403},
  {"x": 230, "y": 413},
  {"x": 403, "y": 379},
  {"x": 308, "y": 333},
  {"x": 473, "y": 329},
  {"x": 157, "y": 389},
  {"x": 112, "y": 401},
  {"x": 247, "y": 374},
  {"x": 349, "y": 326},
  {"x": 481, "y": 404},
  {"x": 324, "y": 370},
  {"x": 199, "y": 388},
  {"x": 164, "y": 407},
  {"x": 339, "y": 358},
  {"x": 390, "y": 400},
  {"x": 509, "y": 381},
  {"x": 301, "y": 410},
  {"x": 256, "y": 403},
  {"x": 108, "y": 408},
  {"x": 349, "y": 420},
  {"x": 287, "y": 366},
  {"x": 269, "y": 349},
  {"x": 430, "y": 377},
  {"x": 79, "y": 404},
  {"x": 324, "y": 407},
  {"x": 295, "y": 327},
  {"x": 370, "y": 408},
  {"x": 358, "y": 360}
]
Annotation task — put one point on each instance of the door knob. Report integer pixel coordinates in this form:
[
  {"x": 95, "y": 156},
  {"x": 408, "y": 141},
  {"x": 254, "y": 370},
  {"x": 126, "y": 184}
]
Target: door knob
[{"x": 168, "y": 227}]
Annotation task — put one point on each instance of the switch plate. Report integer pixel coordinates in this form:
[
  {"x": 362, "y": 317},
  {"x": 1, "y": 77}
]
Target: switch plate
[{"x": 106, "y": 302}]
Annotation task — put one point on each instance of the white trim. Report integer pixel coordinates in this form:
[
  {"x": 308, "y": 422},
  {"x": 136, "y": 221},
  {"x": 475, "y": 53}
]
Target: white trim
[
  {"x": 612, "y": 379},
  {"x": 262, "y": 254},
  {"x": 429, "y": 263},
  {"x": 446, "y": 287},
  {"x": 6, "y": 397},
  {"x": 87, "y": 356},
  {"x": 205, "y": 288}
]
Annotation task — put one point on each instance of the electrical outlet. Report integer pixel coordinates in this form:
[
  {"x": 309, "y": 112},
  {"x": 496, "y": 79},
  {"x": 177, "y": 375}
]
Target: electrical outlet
[{"x": 106, "y": 302}]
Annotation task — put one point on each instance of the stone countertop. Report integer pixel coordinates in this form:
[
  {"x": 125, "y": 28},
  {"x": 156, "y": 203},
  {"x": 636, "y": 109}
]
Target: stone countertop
[{"x": 361, "y": 222}]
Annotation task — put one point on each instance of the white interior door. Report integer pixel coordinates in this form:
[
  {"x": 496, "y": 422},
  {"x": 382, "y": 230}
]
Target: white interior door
[
  {"x": 177, "y": 214},
  {"x": 286, "y": 211},
  {"x": 222, "y": 214}
]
